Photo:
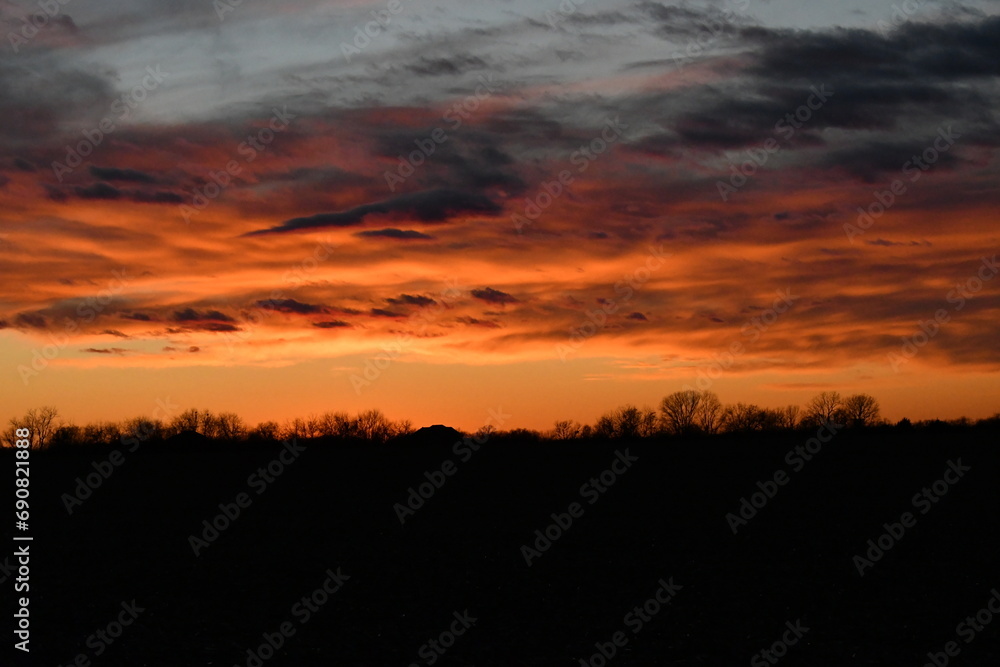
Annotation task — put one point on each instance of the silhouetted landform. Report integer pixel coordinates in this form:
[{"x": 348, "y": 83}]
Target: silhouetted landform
[
  {"x": 436, "y": 433},
  {"x": 427, "y": 532},
  {"x": 682, "y": 413}
]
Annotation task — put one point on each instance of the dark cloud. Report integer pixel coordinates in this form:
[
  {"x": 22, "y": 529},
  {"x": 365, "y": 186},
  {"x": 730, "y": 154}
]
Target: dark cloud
[
  {"x": 290, "y": 306},
  {"x": 332, "y": 324},
  {"x": 381, "y": 312},
  {"x": 876, "y": 160},
  {"x": 412, "y": 300},
  {"x": 405, "y": 234},
  {"x": 55, "y": 194},
  {"x": 491, "y": 295},
  {"x": 31, "y": 320},
  {"x": 192, "y": 315},
  {"x": 98, "y": 191},
  {"x": 637, "y": 316},
  {"x": 106, "y": 350},
  {"x": 218, "y": 327},
  {"x": 125, "y": 175},
  {"x": 429, "y": 206},
  {"x": 451, "y": 66},
  {"x": 475, "y": 322},
  {"x": 157, "y": 197},
  {"x": 140, "y": 317},
  {"x": 114, "y": 332},
  {"x": 23, "y": 165}
]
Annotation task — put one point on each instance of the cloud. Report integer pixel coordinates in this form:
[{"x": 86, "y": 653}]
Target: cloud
[
  {"x": 332, "y": 324},
  {"x": 637, "y": 316},
  {"x": 192, "y": 315},
  {"x": 290, "y": 306},
  {"x": 31, "y": 320},
  {"x": 450, "y": 66},
  {"x": 106, "y": 350},
  {"x": 491, "y": 295},
  {"x": 381, "y": 312},
  {"x": 98, "y": 191},
  {"x": 407, "y": 234},
  {"x": 218, "y": 327},
  {"x": 472, "y": 321},
  {"x": 156, "y": 197},
  {"x": 126, "y": 175},
  {"x": 412, "y": 300},
  {"x": 430, "y": 206}
]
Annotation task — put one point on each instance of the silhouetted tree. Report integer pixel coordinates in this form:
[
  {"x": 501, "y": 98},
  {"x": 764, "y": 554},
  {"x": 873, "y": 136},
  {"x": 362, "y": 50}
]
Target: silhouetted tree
[
  {"x": 189, "y": 420},
  {"x": 742, "y": 418},
  {"x": 141, "y": 429},
  {"x": 230, "y": 426},
  {"x": 40, "y": 421},
  {"x": 566, "y": 430},
  {"x": 861, "y": 410},
  {"x": 267, "y": 430},
  {"x": 690, "y": 412},
  {"x": 824, "y": 408},
  {"x": 788, "y": 417}
]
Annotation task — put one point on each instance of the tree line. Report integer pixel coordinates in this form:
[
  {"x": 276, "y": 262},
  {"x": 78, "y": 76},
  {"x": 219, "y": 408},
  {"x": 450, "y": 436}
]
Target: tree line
[
  {"x": 683, "y": 413},
  {"x": 47, "y": 430}
]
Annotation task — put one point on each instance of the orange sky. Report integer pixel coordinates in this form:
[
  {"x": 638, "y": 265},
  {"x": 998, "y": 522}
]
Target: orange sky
[{"x": 631, "y": 282}]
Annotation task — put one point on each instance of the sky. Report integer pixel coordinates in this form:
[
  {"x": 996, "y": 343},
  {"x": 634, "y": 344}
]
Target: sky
[{"x": 441, "y": 209}]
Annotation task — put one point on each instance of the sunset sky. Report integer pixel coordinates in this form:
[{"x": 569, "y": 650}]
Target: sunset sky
[{"x": 283, "y": 208}]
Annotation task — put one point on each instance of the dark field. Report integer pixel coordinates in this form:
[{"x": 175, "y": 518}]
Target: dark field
[{"x": 663, "y": 518}]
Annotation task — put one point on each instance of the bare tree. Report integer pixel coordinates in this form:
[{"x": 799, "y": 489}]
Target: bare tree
[
  {"x": 679, "y": 410},
  {"x": 649, "y": 423},
  {"x": 40, "y": 421},
  {"x": 189, "y": 420},
  {"x": 861, "y": 410},
  {"x": 824, "y": 408},
  {"x": 627, "y": 419},
  {"x": 709, "y": 413},
  {"x": 373, "y": 425},
  {"x": 690, "y": 411},
  {"x": 230, "y": 426},
  {"x": 565, "y": 430},
  {"x": 788, "y": 416},
  {"x": 605, "y": 427},
  {"x": 742, "y": 417},
  {"x": 267, "y": 430}
]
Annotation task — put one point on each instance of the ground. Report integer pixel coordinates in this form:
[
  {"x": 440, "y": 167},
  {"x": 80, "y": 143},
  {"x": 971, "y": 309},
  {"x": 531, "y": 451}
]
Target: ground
[{"x": 331, "y": 516}]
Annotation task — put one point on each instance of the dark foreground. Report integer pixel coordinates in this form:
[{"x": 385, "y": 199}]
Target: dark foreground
[{"x": 455, "y": 572}]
